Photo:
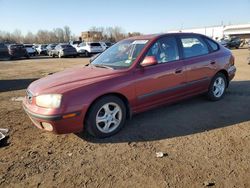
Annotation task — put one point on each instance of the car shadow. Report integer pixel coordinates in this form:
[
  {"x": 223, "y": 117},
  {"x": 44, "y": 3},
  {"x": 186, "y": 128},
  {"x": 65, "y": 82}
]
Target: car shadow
[
  {"x": 12, "y": 85},
  {"x": 187, "y": 117}
]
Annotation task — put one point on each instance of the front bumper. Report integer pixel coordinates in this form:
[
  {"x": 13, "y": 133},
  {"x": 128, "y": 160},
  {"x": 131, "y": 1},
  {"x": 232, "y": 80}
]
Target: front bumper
[{"x": 61, "y": 123}]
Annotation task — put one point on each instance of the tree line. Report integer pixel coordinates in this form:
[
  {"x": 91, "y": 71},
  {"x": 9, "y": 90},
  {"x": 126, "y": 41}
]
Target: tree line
[
  {"x": 112, "y": 34},
  {"x": 63, "y": 35}
]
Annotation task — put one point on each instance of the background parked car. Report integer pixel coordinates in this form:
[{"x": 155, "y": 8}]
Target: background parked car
[
  {"x": 63, "y": 50},
  {"x": 104, "y": 46},
  {"x": 233, "y": 42},
  {"x": 41, "y": 49},
  {"x": 4, "y": 53},
  {"x": 89, "y": 48},
  {"x": 50, "y": 47},
  {"x": 17, "y": 51},
  {"x": 30, "y": 48},
  {"x": 75, "y": 43}
]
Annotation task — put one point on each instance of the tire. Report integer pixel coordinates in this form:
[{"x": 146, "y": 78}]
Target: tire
[
  {"x": 217, "y": 87},
  {"x": 109, "y": 122},
  {"x": 86, "y": 53}
]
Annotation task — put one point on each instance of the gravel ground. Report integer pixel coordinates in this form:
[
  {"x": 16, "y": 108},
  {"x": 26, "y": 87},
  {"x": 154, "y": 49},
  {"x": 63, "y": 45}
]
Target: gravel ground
[{"x": 204, "y": 143}]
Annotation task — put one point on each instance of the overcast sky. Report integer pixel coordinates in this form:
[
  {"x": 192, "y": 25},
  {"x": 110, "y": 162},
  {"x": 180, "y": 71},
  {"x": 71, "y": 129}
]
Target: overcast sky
[{"x": 133, "y": 15}]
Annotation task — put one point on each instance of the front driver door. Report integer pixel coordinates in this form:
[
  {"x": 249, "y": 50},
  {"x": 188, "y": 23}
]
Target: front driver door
[{"x": 161, "y": 82}]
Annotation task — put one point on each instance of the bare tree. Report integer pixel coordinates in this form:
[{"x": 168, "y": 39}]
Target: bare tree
[
  {"x": 17, "y": 36},
  {"x": 29, "y": 38},
  {"x": 67, "y": 34},
  {"x": 60, "y": 35}
]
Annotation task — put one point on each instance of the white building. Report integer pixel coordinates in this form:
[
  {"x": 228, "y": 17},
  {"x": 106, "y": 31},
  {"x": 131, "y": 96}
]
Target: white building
[{"x": 218, "y": 32}]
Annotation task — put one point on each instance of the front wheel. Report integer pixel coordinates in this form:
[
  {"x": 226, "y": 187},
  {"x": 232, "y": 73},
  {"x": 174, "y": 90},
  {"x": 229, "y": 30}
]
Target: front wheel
[
  {"x": 217, "y": 87},
  {"x": 86, "y": 53},
  {"x": 106, "y": 117}
]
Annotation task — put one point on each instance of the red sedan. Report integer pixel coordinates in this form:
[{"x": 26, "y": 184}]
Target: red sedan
[{"x": 132, "y": 76}]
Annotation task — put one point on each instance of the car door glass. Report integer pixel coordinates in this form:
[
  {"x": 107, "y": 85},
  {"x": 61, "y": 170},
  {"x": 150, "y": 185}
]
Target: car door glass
[
  {"x": 165, "y": 50},
  {"x": 169, "y": 50},
  {"x": 193, "y": 46},
  {"x": 212, "y": 44}
]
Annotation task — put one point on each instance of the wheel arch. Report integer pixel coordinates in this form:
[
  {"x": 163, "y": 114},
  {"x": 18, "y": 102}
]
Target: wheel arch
[
  {"x": 119, "y": 95},
  {"x": 223, "y": 71}
]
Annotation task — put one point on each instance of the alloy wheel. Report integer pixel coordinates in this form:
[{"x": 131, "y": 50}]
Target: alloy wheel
[
  {"x": 219, "y": 87},
  {"x": 108, "y": 117}
]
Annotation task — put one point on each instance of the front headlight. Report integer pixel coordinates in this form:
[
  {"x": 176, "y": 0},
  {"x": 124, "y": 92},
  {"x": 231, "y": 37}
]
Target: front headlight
[{"x": 49, "y": 100}]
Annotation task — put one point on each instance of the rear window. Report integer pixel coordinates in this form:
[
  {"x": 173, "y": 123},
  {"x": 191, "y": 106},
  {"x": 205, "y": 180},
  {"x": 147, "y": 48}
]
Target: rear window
[
  {"x": 28, "y": 46},
  {"x": 76, "y": 42},
  {"x": 212, "y": 44},
  {"x": 17, "y": 46},
  {"x": 95, "y": 44},
  {"x": 66, "y": 46}
]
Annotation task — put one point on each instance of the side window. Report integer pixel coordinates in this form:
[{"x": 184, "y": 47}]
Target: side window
[
  {"x": 165, "y": 50},
  {"x": 193, "y": 46},
  {"x": 212, "y": 44}
]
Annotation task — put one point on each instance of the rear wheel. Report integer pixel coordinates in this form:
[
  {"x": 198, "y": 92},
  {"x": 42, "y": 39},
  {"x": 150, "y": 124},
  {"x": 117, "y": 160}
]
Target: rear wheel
[
  {"x": 106, "y": 117},
  {"x": 217, "y": 87}
]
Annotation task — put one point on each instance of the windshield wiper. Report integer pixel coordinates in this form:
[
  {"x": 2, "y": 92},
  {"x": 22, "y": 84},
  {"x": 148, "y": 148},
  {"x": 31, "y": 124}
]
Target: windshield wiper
[{"x": 103, "y": 66}]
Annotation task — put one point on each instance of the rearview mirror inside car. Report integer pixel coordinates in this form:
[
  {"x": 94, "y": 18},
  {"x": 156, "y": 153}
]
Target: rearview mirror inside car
[{"x": 149, "y": 61}]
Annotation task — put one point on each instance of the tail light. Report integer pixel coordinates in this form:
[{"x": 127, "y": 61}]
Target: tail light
[{"x": 232, "y": 60}]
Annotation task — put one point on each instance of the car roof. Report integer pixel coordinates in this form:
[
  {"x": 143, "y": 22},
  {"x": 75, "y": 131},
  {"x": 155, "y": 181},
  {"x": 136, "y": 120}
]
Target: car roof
[{"x": 155, "y": 36}]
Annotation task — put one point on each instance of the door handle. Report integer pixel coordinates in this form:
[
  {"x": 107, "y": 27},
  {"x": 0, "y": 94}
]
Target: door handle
[
  {"x": 212, "y": 62},
  {"x": 178, "y": 71}
]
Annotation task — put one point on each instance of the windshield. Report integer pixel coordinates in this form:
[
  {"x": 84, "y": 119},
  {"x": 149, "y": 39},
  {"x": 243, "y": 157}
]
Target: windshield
[{"x": 121, "y": 55}]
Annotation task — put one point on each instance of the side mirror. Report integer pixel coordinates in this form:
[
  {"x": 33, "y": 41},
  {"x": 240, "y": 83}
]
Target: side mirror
[{"x": 148, "y": 61}]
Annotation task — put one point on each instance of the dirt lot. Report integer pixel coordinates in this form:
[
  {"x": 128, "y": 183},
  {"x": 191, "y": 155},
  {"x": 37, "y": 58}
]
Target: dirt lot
[{"x": 204, "y": 141}]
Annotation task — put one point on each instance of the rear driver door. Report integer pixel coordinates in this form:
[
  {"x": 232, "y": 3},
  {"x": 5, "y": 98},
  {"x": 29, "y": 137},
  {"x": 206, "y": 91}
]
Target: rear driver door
[{"x": 197, "y": 62}]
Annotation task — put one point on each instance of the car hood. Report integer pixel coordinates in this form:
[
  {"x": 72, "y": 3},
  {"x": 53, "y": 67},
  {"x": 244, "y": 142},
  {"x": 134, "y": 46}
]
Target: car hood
[{"x": 71, "y": 78}]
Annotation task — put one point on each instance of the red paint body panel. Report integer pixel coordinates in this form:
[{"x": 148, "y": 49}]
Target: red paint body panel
[{"x": 143, "y": 87}]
